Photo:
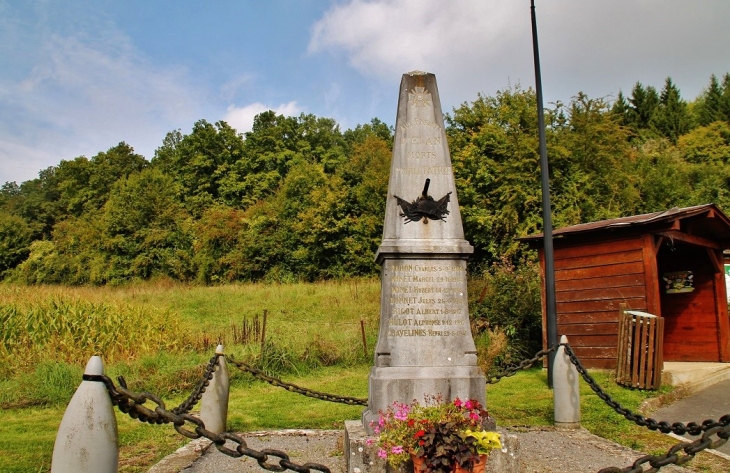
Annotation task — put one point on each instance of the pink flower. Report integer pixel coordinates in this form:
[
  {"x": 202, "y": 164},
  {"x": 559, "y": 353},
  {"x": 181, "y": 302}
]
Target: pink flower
[
  {"x": 397, "y": 449},
  {"x": 401, "y": 412},
  {"x": 382, "y": 453},
  {"x": 473, "y": 416},
  {"x": 468, "y": 405},
  {"x": 369, "y": 442},
  {"x": 457, "y": 402}
]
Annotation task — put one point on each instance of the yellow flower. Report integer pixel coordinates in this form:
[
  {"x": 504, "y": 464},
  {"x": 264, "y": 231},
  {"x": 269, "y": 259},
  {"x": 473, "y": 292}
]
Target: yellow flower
[{"x": 485, "y": 441}]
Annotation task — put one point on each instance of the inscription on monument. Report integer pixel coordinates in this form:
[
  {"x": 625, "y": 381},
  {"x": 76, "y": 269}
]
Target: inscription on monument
[
  {"x": 425, "y": 170},
  {"x": 422, "y": 139},
  {"x": 420, "y": 309}
]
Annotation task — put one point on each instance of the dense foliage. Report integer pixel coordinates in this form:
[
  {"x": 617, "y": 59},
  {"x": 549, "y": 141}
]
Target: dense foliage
[{"x": 296, "y": 198}]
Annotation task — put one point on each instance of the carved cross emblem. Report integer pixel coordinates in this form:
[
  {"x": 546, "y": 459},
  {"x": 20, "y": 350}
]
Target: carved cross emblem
[{"x": 420, "y": 97}]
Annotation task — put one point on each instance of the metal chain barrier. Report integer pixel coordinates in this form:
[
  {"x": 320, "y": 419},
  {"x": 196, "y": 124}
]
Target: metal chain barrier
[
  {"x": 200, "y": 388},
  {"x": 672, "y": 457},
  {"x": 353, "y": 401},
  {"x": 523, "y": 365},
  {"x": 132, "y": 404},
  {"x": 678, "y": 428}
]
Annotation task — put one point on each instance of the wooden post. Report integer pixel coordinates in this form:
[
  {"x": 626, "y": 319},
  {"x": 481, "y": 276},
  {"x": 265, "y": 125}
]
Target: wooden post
[
  {"x": 364, "y": 340},
  {"x": 263, "y": 332}
]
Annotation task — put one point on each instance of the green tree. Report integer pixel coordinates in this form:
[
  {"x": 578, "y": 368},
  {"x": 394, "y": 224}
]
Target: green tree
[
  {"x": 707, "y": 144},
  {"x": 15, "y": 240},
  {"x": 662, "y": 176},
  {"x": 643, "y": 103},
  {"x": 198, "y": 162},
  {"x": 366, "y": 175},
  {"x": 725, "y": 100},
  {"x": 709, "y": 108},
  {"x": 269, "y": 150},
  {"x": 671, "y": 117},
  {"x": 216, "y": 237},
  {"x": 494, "y": 151},
  {"x": 108, "y": 167},
  {"x": 592, "y": 179},
  {"x": 621, "y": 109},
  {"x": 146, "y": 230}
]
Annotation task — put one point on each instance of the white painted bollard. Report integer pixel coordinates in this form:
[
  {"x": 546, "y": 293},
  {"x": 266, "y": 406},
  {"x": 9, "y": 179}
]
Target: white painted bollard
[
  {"x": 566, "y": 390},
  {"x": 87, "y": 439},
  {"x": 214, "y": 403}
]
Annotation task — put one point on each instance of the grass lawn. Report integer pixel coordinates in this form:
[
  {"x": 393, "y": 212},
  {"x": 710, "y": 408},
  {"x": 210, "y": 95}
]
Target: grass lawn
[{"x": 305, "y": 323}]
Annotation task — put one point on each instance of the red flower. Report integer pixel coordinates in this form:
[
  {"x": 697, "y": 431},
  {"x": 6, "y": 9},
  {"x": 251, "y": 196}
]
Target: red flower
[
  {"x": 411, "y": 422},
  {"x": 419, "y": 434}
]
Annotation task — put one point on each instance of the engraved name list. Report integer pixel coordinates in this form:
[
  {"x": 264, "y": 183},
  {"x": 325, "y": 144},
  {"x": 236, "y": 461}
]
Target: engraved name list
[{"x": 419, "y": 308}]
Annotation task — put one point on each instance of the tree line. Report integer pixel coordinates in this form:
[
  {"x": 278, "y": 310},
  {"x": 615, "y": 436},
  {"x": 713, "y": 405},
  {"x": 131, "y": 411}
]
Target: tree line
[{"x": 296, "y": 198}]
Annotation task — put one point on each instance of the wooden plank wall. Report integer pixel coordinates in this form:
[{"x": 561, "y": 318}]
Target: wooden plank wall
[
  {"x": 691, "y": 332},
  {"x": 591, "y": 281}
]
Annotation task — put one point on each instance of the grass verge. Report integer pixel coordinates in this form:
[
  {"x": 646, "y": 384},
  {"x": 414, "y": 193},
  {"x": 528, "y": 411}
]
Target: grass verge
[{"x": 313, "y": 339}]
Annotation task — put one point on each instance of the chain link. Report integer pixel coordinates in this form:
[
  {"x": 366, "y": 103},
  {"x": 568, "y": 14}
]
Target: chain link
[
  {"x": 673, "y": 457},
  {"x": 710, "y": 428},
  {"x": 200, "y": 388},
  {"x": 678, "y": 428},
  {"x": 353, "y": 401},
  {"x": 131, "y": 403},
  {"x": 523, "y": 365}
]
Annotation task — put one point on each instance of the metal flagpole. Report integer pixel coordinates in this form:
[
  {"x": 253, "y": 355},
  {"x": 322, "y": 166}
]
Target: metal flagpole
[{"x": 550, "y": 306}]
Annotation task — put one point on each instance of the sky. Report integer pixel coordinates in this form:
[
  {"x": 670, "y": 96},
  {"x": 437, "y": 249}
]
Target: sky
[{"x": 79, "y": 76}]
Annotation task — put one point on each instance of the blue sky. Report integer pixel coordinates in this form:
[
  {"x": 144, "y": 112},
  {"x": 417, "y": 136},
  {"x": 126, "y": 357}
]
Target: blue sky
[{"x": 79, "y": 76}]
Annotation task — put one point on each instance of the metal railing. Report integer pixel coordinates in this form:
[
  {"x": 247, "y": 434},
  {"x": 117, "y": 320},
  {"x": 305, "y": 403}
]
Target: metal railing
[{"x": 98, "y": 389}]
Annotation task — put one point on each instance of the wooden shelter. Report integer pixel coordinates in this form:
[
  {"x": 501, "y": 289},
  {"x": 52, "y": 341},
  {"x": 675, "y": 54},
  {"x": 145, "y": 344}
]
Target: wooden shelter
[{"x": 669, "y": 264}]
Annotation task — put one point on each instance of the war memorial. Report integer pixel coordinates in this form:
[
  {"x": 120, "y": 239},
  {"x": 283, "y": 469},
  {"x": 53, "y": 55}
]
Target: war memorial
[{"x": 425, "y": 346}]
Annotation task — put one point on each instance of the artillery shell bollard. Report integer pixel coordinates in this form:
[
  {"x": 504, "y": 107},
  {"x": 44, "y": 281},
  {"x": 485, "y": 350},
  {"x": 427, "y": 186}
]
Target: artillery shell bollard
[
  {"x": 214, "y": 403},
  {"x": 566, "y": 390},
  {"x": 87, "y": 439}
]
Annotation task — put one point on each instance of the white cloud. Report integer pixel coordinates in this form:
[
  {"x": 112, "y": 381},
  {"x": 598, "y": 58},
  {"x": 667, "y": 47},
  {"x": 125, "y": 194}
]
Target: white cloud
[
  {"x": 483, "y": 45},
  {"x": 384, "y": 38},
  {"x": 85, "y": 92},
  {"x": 241, "y": 118},
  {"x": 231, "y": 88},
  {"x": 461, "y": 42}
]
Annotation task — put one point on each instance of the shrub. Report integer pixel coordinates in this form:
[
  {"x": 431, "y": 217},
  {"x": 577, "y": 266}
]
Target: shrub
[{"x": 508, "y": 301}]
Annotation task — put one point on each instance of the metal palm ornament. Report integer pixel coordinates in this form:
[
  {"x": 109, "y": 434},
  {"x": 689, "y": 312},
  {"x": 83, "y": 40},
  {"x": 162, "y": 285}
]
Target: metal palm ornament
[{"x": 424, "y": 207}]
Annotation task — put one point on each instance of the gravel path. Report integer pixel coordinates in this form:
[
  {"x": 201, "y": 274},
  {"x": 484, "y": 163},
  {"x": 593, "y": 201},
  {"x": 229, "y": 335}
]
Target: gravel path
[{"x": 541, "y": 451}]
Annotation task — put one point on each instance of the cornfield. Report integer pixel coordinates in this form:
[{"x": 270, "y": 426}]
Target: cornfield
[{"x": 72, "y": 330}]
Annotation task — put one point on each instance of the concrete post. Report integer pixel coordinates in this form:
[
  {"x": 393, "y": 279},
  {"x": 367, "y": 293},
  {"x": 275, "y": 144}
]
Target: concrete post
[
  {"x": 214, "y": 404},
  {"x": 87, "y": 439},
  {"x": 566, "y": 390}
]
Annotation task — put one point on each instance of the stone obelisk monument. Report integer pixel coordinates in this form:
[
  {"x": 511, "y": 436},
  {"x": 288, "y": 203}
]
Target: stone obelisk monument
[{"x": 424, "y": 345}]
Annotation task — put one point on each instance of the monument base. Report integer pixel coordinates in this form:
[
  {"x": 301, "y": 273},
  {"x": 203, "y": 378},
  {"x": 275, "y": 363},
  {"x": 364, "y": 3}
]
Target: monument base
[
  {"x": 363, "y": 458},
  {"x": 406, "y": 384}
]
